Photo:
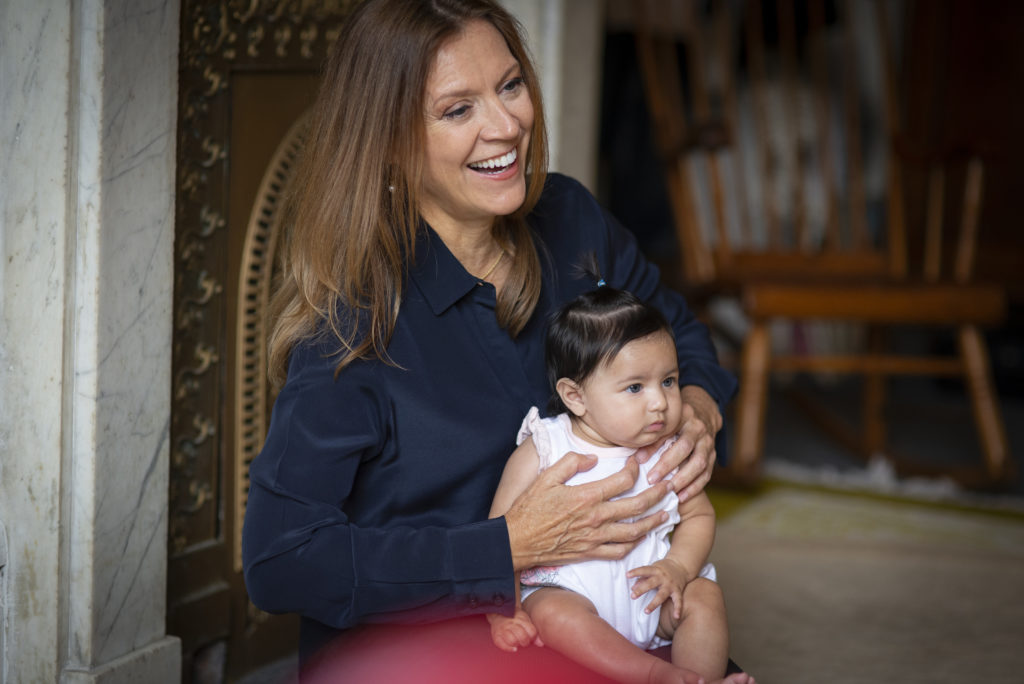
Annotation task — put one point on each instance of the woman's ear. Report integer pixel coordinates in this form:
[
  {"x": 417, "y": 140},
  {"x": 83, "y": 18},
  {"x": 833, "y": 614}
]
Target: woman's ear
[{"x": 572, "y": 396}]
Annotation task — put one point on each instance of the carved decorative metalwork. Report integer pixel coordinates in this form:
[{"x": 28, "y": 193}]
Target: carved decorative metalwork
[
  {"x": 254, "y": 285},
  {"x": 218, "y": 37}
]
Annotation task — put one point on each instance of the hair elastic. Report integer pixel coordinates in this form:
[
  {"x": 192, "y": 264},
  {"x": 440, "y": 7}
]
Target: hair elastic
[{"x": 601, "y": 283}]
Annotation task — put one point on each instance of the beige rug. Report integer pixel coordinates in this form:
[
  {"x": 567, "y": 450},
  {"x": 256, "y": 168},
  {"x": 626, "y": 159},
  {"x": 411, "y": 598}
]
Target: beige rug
[{"x": 829, "y": 587}]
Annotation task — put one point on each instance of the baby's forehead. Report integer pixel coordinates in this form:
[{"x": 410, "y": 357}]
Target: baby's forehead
[{"x": 654, "y": 350}]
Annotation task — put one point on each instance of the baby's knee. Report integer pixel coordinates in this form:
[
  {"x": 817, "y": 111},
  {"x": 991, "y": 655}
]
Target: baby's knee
[
  {"x": 541, "y": 612},
  {"x": 551, "y": 607},
  {"x": 703, "y": 595}
]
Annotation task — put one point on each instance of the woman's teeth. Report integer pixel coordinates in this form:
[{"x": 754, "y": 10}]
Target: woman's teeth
[{"x": 496, "y": 163}]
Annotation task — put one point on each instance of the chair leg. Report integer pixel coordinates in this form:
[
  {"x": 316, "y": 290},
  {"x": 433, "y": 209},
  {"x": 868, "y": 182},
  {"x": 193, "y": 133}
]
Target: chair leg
[
  {"x": 985, "y": 405},
  {"x": 874, "y": 437},
  {"x": 750, "y": 408}
]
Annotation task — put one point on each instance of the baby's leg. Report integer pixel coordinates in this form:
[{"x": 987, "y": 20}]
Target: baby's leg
[
  {"x": 569, "y": 623},
  {"x": 700, "y": 640}
]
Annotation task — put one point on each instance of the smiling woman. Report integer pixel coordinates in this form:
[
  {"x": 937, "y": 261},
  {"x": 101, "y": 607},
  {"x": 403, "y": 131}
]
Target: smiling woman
[
  {"x": 408, "y": 336},
  {"x": 478, "y": 121}
]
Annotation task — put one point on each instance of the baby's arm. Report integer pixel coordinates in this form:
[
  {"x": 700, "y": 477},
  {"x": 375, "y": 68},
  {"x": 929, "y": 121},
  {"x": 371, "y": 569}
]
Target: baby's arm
[
  {"x": 691, "y": 545},
  {"x": 520, "y": 472},
  {"x": 509, "y": 633},
  {"x": 694, "y": 536}
]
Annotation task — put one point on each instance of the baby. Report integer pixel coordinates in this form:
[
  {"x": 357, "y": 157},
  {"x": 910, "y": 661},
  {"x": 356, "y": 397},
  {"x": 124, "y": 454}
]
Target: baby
[{"x": 612, "y": 363}]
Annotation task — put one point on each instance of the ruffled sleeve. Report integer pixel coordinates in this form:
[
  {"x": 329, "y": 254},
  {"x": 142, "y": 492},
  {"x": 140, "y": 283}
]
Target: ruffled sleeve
[{"x": 536, "y": 427}]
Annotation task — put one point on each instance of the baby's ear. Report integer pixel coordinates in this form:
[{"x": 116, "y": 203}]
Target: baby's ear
[{"x": 572, "y": 396}]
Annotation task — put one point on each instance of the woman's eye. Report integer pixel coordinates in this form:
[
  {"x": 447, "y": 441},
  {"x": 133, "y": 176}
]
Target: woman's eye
[
  {"x": 514, "y": 84},
  {"x": 634, "y": 388},
  {"x": 457, "y": 113}
]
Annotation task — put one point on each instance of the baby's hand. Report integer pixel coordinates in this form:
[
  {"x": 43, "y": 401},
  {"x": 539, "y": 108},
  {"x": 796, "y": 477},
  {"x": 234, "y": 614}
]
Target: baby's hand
[
  {"x": 509, "y": 633},
  {"x": 666, "y": 576}
]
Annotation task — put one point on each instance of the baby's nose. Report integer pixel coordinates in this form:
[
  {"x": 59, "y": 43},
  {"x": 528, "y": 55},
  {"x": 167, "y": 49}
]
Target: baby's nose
[{"x": 658, "y": 401}]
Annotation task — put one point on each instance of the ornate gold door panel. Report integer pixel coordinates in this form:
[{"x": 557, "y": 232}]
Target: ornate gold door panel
[{"x": 248, "y": 70}]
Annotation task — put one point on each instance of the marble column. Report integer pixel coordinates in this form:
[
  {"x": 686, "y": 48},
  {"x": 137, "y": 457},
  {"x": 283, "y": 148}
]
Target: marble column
[{"x": 87, "y": 147}]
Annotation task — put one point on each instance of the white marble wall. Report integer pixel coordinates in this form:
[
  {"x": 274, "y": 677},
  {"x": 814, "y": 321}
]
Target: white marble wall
[{"x": 87, "y": 145}]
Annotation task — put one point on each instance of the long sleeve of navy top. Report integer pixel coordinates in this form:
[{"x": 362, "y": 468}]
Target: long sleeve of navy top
[{"x": 369, "y": 500}]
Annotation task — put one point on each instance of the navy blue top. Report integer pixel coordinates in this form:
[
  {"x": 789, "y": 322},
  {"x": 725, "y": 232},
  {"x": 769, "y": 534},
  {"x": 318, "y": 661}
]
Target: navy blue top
[{"x": 369, "y": 500}]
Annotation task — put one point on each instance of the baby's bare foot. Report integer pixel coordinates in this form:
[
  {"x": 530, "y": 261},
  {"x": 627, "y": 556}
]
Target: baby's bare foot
[
  {"x": 738, "y": 678},
  {"x": 663, "y": 672}
]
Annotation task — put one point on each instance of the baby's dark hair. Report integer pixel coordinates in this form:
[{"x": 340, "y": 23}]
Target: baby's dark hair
[{"x": 591, "y": 330}]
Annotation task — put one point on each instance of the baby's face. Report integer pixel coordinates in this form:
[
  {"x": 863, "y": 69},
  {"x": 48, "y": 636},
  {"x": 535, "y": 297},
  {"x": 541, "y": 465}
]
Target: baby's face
[{"x": 633, "y": 400}]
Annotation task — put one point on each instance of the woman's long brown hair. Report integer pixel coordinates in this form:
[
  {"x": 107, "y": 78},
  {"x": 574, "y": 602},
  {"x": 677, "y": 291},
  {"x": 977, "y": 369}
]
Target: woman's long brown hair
[{"x": 351, "y": 217}]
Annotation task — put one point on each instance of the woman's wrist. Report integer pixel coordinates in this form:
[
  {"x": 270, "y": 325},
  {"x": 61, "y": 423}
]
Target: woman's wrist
[
  {"x": 704, "y": 406},
  {"x": 522, "y": 558}
]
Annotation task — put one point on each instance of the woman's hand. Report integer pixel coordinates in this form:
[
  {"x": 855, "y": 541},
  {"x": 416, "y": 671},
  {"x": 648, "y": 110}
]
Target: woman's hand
[
  {"x": 694, "y": 452},
  {"x": 552, "y": 523}
]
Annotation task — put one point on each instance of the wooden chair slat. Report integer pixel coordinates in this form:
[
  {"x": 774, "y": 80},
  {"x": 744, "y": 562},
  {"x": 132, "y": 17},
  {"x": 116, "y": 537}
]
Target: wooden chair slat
[
  {"x": 857, "y": 197},
  {"x": 823, "y": 112},
  {"x": 908, "y": 304},
  {"x": 757, "y": 70},
  {"x": 933, "y": 225},
  {"x": 896, "y": 231},
  {"x": 968, "y": 241},
  {"x": 941, "y": 366},
  {"x": 786, "y": 17},
  {"x": 724, "y": 23}
]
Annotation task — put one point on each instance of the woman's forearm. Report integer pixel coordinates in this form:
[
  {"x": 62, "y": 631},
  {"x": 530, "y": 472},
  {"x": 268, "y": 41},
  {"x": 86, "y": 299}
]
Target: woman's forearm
[{"x": 343, "y": 575}]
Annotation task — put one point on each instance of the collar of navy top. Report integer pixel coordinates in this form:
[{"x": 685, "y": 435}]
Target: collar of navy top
[{"x": 438, "y": 275}]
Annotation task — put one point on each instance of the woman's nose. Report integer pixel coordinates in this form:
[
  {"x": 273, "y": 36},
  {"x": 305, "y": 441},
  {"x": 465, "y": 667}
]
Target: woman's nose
[{"x": 501, "y": 123}]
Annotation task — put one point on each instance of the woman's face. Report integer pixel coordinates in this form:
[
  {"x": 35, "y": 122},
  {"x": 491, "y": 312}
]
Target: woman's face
[{"x": 478, "y": 121}]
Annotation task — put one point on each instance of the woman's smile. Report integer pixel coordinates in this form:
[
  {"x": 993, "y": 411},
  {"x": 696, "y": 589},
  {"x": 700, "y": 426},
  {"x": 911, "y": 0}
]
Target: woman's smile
[{"x": 496, "y": 165}]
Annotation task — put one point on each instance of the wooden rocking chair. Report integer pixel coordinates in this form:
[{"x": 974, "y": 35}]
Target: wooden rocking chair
[{"x": 759, "y": 123}]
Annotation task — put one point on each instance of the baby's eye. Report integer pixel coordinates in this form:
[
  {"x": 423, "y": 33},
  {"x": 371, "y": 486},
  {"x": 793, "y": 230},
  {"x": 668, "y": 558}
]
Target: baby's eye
[
  {"x": 634, "y": 388},
  {"x": 668, "y": 382}
]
